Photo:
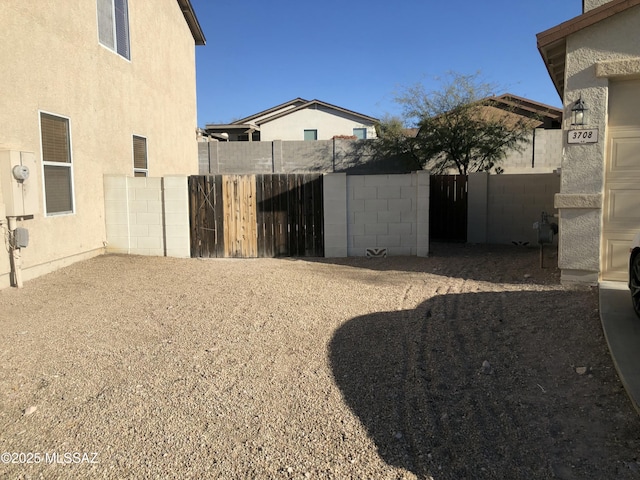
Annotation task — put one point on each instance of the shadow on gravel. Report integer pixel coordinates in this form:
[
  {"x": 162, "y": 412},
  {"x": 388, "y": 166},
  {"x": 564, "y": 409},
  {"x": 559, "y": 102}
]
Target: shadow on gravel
[
  {"x": 490, "y": 386},
  {"x": 507, "y": 263}
]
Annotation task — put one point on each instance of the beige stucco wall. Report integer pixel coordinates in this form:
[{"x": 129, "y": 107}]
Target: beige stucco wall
[
  {"x": 53, "y": 62},
  {"x": 591, "y": 4},
  {"x": 328, "y": 123},
  {"x": 595, "y": 55}
]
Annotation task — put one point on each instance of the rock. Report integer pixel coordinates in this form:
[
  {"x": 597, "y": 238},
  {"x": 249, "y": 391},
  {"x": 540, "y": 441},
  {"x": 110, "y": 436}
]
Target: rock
[
  {"x": 581, "y": 370},
  {"x": 398, "y": 435},
  {"x": 30, "y": 410},
  {"x": 486, "y": 368}
]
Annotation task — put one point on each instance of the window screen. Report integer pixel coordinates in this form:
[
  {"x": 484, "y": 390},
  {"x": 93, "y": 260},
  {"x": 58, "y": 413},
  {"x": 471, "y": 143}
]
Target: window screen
[
  {"x": 311, "y": 134},
  {"x": 113, "y": 26}
]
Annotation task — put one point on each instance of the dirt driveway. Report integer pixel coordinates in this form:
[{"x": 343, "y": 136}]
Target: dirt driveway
[{"x": 471, "y": 364}]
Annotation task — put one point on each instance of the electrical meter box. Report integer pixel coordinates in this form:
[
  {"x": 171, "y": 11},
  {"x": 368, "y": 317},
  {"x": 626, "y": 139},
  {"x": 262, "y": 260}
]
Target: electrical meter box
[{"x": 19, "y": 183}]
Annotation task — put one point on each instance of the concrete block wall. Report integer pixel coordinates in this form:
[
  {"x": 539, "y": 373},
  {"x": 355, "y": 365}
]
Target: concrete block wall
[
  {"x": 238, "y": 157},
  {"x": 277, "y": 156},
  {"x": 503, "y": 208},
  {"x": 306, "y": 156},
  {"x": 388, "y": 211},
  {"x": 542, "y": 155},
  {"x": 147, "y": 215}
]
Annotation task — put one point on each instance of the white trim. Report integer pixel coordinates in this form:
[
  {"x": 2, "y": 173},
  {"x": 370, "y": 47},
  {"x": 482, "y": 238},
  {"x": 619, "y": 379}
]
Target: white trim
[{"x": 56, "y": 164}]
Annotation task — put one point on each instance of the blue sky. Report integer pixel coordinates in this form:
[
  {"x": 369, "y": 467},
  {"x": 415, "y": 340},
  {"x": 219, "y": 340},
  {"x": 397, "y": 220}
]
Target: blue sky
[{"x": 358, "y": 56}]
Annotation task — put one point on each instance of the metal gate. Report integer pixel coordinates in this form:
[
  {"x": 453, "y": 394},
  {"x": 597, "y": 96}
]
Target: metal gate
[
  {"x": 448, "y": 208},
  {"x": 256, "y": 215}
]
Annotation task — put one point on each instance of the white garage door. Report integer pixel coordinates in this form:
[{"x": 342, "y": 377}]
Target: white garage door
[{"x": 621, "y": 208}]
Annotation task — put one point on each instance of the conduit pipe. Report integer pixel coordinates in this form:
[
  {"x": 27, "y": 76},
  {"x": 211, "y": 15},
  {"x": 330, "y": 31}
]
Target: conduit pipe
[{"x": 16, "y": 258}]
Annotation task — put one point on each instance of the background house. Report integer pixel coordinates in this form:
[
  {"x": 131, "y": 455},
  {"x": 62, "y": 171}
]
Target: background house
[
  {"x": 595, "y": 58},
  {"x": 225, "y": 149},
  {"x": 89, "y": 89},
  {"x": 297, "y": 119},
  {"x": 543, "y": 151}
]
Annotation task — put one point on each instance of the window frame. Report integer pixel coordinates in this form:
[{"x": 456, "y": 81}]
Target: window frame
[
  {"x": 304, "y": 134},
  {"x": 360, "y": 129},
  {"x": 69, "y": 165},
  {"x": 145, "y": 170},
  {"x": 116, "y": 21}
]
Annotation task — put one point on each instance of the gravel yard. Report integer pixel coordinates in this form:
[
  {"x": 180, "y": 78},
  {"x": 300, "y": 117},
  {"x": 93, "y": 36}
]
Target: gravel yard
[{"x": 473, "y": 363}]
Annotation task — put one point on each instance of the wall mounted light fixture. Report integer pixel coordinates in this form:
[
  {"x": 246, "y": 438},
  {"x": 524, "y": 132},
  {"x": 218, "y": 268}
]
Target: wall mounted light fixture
[{"x": 578, "y": 113}]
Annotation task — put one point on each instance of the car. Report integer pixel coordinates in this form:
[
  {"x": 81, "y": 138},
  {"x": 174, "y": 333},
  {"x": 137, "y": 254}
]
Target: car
[{"x": 634, "y": 273}]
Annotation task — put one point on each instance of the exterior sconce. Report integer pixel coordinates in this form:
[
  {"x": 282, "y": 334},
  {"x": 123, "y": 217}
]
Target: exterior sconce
[{"x": 578, "y": 113}]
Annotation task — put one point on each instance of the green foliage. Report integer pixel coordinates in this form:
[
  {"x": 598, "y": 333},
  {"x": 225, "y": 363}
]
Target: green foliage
[{"x": 458, "y": 128}]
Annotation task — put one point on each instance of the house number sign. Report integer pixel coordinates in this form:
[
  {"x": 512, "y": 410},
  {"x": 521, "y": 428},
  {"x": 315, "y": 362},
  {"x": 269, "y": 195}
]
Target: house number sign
[{"x": 583, "y": 136}]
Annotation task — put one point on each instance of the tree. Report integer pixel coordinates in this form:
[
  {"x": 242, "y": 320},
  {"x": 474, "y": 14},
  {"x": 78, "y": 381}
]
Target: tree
[{"x": 458, "y": 127}]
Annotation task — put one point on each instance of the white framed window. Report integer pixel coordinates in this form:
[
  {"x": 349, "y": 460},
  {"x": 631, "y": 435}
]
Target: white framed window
[
  {"x": 57, "y": 165},
  {"x": 360, "y": 133},
  {"x": 311, "y": 134},
  {"x": 140, "y": 165},
  {"x": 113, "y": 26}
]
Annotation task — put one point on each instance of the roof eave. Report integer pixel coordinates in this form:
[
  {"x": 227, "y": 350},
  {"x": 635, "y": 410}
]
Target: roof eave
[
  {"x": 269, "y": 110},
  {"x": 552, "y": 42},
  {"x": 192, "y": 21},
  {"x": 324, "y": 104}
]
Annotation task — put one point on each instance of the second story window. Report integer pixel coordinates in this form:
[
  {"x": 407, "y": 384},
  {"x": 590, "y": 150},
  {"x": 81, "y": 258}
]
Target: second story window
[
  {"x": 311, "y": 134},
  {"x": 113, "y": 26}
]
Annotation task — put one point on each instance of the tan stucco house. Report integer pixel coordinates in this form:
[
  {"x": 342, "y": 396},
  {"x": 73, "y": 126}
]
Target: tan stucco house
[
  {"x": 297, "y": 119},
  {"x": 91, "y": 88},
  {"x": 594, "y": 62}
]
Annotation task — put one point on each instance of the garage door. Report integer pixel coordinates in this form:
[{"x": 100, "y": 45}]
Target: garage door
[{"x": 621, "y": 208}]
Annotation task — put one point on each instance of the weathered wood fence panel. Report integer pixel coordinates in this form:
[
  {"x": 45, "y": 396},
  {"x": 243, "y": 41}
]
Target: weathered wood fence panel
[
  {"x": 239, "y": 204},
  {"x": 206, "y": 217},
  {"x": 290, "y": 215},
  {"x": 448, "y": 208},
  {"x": 256, "y": 215}
]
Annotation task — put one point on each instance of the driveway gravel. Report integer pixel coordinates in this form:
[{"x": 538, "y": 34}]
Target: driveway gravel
[{"x": 474, "y": 363}]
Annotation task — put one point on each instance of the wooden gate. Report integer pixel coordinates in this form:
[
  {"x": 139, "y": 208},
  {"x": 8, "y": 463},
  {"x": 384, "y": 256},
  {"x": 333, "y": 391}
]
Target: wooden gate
[
  {"x": 256, "y": 215},
  {"x": 448, "y": 208}
]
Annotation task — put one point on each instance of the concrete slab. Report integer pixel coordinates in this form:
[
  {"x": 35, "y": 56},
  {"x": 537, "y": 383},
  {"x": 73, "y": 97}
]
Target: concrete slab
[{"x": 622, "y": 330}]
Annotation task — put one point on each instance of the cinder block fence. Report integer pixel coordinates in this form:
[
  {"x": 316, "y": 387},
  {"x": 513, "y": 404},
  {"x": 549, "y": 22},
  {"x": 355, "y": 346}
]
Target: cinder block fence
[
  {"x": 376, "y": 212},
  {"x": 150, "y": 216},
  {"x": 147, "y": 215}
]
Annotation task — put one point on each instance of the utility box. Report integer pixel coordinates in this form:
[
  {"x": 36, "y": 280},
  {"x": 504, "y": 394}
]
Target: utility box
[
  {"x": 546, "y": 230},
  {"x": 19, "y": 183},
  {"x": 21, "y": 237}
]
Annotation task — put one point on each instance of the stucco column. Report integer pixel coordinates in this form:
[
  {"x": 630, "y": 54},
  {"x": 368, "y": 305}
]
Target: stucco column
[{"x": 582, "y": 179}]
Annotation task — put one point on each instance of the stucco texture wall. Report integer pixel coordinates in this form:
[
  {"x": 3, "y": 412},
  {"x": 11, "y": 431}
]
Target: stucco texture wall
[
  {"x": 53, "y": 62},
  {"x": 592, "y": 54}
]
